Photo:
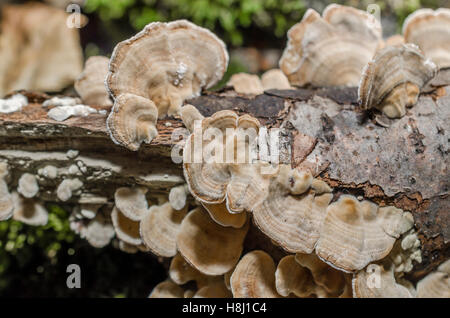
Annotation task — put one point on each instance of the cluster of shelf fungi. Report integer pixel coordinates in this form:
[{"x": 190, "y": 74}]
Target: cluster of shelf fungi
[{"x": 358, "y": 207}]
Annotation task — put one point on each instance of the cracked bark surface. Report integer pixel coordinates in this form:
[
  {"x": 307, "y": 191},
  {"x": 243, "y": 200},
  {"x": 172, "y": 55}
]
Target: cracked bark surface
[{"x": 404, "y": 164}]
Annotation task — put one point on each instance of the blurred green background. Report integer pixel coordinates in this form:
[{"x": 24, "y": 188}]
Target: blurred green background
[{"x": 33, "y": 260}]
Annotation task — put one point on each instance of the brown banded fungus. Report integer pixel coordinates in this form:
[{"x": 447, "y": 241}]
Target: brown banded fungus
[
  {"x": 132, "y": 121},
  {"x": 292, "y": 278},
  {"x": 430, "y": 30},
  {"x": 210, "y": 248},
  {"x": 331, "y": 50},
  {"x": 230, "y": 175},
  {"x": 159, "y": 228},
  {"x": 90, "y": 85},
  {"x": 290, "y": 215},
  {"x": 378, "y": 281},
  {"x": 167, "y": 289},
  {"x": 355, "y": 233},
  {"x": 131, "y": 202},
  {"x": 165, "y": 63},
  {"x": 436, "y": 284},
  {"x": 29, "y": 211},
  {"x": 244, "y": 83},
  {"x": 181, "y": 272},
  {"x": 394, "y": 78},
  {"x": 126, "y": 229},
  {"x": 254, "y": 276},
  {"x": 332, "y": 282},
  {"x": 275, "y": 79}
]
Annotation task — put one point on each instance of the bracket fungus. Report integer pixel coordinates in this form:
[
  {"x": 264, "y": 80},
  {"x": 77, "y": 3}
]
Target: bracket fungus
[
  {"x": 289, "y": 215},
  {"x": 254, "y": 276},
  {"x": 355, "y": 233},
  {"x": 178, "y": 196},
  {"x": 210, "y": 248},
  {"x": 66, "y": 188},
  {"x": 181, "y": 272},
  {"x": 126, "y": 229},
  {"x": 221, "y": 215},
  {"x": 275, "y": 79},
  {"x": 165, "y": 63},
  {"x": 29, "y": 211},
  {"x": 332, "y": 281},
  {"x": 28, "y": 185},
  {"x": 236, "y": 180},
  {"x": 159, "y": 229},
  {"x": 189, "y": 114},
  {"x": 394, "y": 78},
  {"x": 436, "y": 284},
  {"x": 244, "y": 83},
  {"x": 131, "y": 202},
  {"x": 331, "y": 50},
  {"x": 378, "y": 281},
  {"x": 90, "y": 85},
  {"x": 292, "y": 278},
  {"x": 167, "y": 289},
  {"x": 430, "y": 30},
  {"x": 132, "y": 121},
  {"x": 6, "y": 199},
  {"x": 99, "y": 231}
]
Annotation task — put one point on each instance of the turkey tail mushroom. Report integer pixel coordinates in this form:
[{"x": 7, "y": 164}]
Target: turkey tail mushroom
[
  {"x": 394, "y": 78},
  {"x": 90, "y": 85},
  {"x": 430, "y": 30},
  {"x": 331, "y": 50}
]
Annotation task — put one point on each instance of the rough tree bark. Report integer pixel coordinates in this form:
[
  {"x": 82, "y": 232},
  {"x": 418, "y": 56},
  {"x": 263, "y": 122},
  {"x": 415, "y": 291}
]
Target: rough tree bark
[{"x": 400, "y": 162}]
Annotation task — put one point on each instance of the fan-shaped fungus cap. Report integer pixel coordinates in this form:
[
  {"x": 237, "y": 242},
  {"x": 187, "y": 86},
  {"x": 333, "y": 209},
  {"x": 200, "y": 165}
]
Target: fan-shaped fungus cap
[
  {"x": 290, "y": 277},
  {"x": 292, "y": 221},
  {"x": 430, "y": 30},
  {"x": 436, "y": 284},
  {"x": 182, "y": 272},
  {"x": 6, "y": 200},
  {"x": 275, "y": 79},
  {"x": 221, "y": 215},
  {"x": 132, "y": 121},
  {"x": 90, "y": 85},
  {"x": 126, "y": 229},
  {"x": 331, "y": 50},
  {"x": 214, "y": 290},
  {"x": 244, "y": 83},
  {"x": 178, "y": 196},
  {"x": 254, "y": 276},
  {"x": 29, "y": 211},
  {"x": 378, "y": 281},
  {"x": 66, "y": 188},
  {"x": 159, "y": 228},
  {"x": 28, "y": 186},
  {"x": 131, "y": 202},
  {"x": 172, "y": 62},
  {"x": 99, "y": 231},
  {"x": 356, "y": 233},
  {"x": 207, "y": 246},
  {"x": 331, "y": 280},
  {"x": 393, "y": 79},
  {"x": 189, "y": 114},
  {"x": 238, "y": 180},
  {"x": 167, "y": 289}
]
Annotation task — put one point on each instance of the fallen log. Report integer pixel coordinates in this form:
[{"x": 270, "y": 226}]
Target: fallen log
[{"x": 402, "y": 162}]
